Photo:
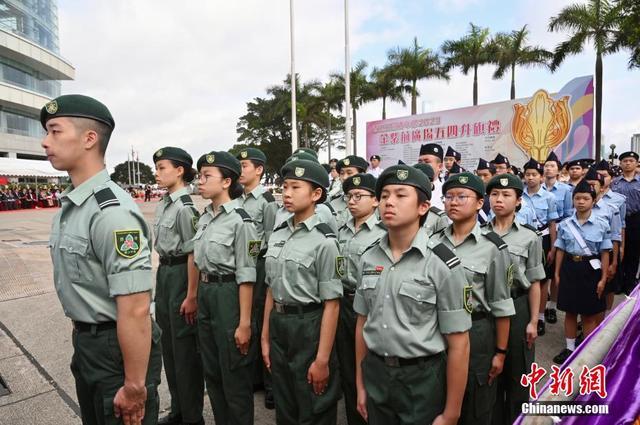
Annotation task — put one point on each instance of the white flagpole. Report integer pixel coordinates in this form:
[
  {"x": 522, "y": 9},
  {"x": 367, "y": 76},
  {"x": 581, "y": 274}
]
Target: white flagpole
[
  {"x": 347, "y": 82},
  {"x": 294, "y": 124}
]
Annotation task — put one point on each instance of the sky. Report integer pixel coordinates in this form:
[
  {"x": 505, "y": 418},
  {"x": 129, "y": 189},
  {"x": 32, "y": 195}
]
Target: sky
[{"x": 181, "y": 76}]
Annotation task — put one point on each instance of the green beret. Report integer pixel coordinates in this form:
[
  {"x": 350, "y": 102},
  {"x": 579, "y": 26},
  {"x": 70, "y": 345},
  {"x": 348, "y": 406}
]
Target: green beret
[
  {"x": 174, "y": 154},
  {"x": 404, "y": 175},
  {"x": 426, "y": 169},
  {"x": 76, "y": 105},
  {"x": 465, "y": 180},
  {"x": 353, "y": 161},
  {"x": 302, "y": 169},
  {"x": 505, "y": 181},
  {"x": 252, "y": 154},
  {"x": 306, "y": 150},
  {"x": 220, "y": 159},
  {"x": 300, "y": 155},
  {"x": 360, "y": 181}
]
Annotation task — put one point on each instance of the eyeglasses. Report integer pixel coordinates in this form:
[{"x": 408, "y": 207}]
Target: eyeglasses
[
  {"x": 461, "y": 199},
  {"x": 200, "y": 177},
  {"x": 356, "y": 197}
]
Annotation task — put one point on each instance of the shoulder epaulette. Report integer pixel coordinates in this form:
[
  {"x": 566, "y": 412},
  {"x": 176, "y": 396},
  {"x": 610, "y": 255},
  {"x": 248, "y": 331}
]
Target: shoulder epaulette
[
  {"x": 439, "y": 231},
  {"x": 268, "y": 196},
  {"x": 496, "y": 240},
  {"x": 282, "y": 226},
  {"x": 336, "y": 196},
  {"x": 371, "y": 246},
  {"x": 530, "y": 227},
  {"x": 245, "y": 215},
  {"x": 186, "y": 200},
  {"x": 333, "y": 210},
  {"x": 446, "y": 255},
  {"x": 326, "y": 230},
  {"x": 381, "y": 225},
  {"x": 436, "y": 210},
  {"x": 485, "y": 224},
  {"x": 106, "y": 198}
]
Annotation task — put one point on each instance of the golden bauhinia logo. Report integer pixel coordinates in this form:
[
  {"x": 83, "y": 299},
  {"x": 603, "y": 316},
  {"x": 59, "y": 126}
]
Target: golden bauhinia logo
[
  {"x": 210, "y": 158},
  {"x": 299, "y": 171},
  {"x": 244, "y": 154},
  {"x": 504, "y": 182},
  {"x": 52, "y": 107},
  {"x": 356, "y": 181},
  {"x": 159, "y": 153},
  {"x": 402, "y": 174},
  {"x": 463, "y": 179}
]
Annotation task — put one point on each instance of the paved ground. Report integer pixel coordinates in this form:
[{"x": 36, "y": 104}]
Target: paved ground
[{"x": 35, "y": 347}]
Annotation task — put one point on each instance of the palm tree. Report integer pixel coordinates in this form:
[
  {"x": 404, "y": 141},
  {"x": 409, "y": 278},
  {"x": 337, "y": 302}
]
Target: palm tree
[
  {"x": 333, "y": 98},
  {"x": 596, "y": 22},
  {"x": 629, "y": 34},
  {"x": 415, "y": 63},
  {"x": 385, "y": 85},
  {"x": 359, "y": 91},
  {"x": 511, "y": 50},
  {"x": 471, "y": 51}
]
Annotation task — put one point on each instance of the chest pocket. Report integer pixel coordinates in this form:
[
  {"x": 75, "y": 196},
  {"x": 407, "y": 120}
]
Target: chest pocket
[
  {"x": 542, "y": 208},
  {"x": 417, "y": 301},
  {"x": 298, "y": 267},
  {"x": 164, "y": 228},
  {"x": 73, "y": 250},
  {"x": 271, "y": 265},
  {"x": 475, "y": 274},
  {"x": 368, "y": 289},
  {"x": 219, "y": 248},
  {"x": 519, "y": 255}
]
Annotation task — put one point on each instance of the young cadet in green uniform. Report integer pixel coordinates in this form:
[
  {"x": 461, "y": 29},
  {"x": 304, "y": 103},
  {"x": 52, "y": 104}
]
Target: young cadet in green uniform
[
  {"x": 225, "y": 249},
  {"x": 489, "y": 274},
  {"x": 436, "y": 218},
  {"x": 100, "y": 248},
  {"x": 302, "y": 306},
  {"x": 262, "y": 207},
  {"x": 360, "y": 232},
  {"x": 410, "y": 305},
  {"x": 525, "y": 247},
  {"x": 177, "y": 287},
  {"x": 346, "y": 167}
]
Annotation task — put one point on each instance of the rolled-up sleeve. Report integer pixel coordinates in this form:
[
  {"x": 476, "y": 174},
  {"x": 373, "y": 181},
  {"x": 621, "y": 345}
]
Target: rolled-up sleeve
[
  {"x": 498, "y": 293},
  {"x": 450, "y": 283},
  {"x": 245, "y": 235},
  {"x": 329, "y": 285}
]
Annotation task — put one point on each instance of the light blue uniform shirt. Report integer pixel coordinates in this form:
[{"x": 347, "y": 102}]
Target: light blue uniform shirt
[
  {"x": 594, "y": 231},
  {"x": 564, "y": 202},
  {"x": 544, "y": 204},
  {"x": 612, "y": 216},
  {"x": 619, "y": 201},
  {"x": 526, "y": 215}
]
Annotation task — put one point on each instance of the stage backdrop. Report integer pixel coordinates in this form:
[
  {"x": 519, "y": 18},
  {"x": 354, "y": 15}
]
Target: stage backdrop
[{"x": 518, "y": 129}]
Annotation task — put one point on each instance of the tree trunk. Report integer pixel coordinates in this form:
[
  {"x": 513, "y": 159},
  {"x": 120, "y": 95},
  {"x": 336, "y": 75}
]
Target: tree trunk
[
  {"x": 329, "y": 141},
  {"x": 513, "y": 81},
  {"x": 414, "y": 99},
  {"x": 384, "y": 107},
  {"x": 475, "y": 85},
  {"x": 354, "y": 128},
  {"x": 598, "y": 105}
]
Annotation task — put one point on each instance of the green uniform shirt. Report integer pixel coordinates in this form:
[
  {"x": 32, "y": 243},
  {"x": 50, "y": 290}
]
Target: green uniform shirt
[
  {"x": 410, "y": 303},
  {"x": 301, "y": 263},
  {"x": 487, "y": 270},
  {"x": 98, "y": 254},
  {"x": 352, "y": 246},
  {"x": 322, "y": 211},
  {"x": 436, "y": 220},
  {"x": 261, "y": 211},
  {"x": 226, "y": 243},
  {"x": 525, "y": 247},
  {"x": 175, "y": 224},
  {"x": 342, "y": 212}
]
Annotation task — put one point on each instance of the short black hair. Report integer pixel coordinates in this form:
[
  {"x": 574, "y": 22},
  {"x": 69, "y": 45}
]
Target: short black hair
[
  {"x": 323, "y": 197},
  {"x": 102, "y": 130},
  {"x": 422, "y": 198},
  {"x": 235, "y": 190}
]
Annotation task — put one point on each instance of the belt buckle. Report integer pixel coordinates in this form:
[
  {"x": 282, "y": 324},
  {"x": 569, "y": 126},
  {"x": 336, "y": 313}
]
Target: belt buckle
[
  {"x": 393, "y": 361},
  {"x": 279, "y": 307},
  {"x": 576, "y": 258},
  {"x": 204, "y": 277}
]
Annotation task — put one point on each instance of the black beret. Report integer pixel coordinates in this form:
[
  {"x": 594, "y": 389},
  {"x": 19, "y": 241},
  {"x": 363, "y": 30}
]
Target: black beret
[
  {"x": 584, "y": 187},
  {"x": 453, "y": 153},
  {"x": 604, "y": 165},
  {"x": 455, "y": 169},
  {"x": 403, "y": 175},
  {"x": 374, "y": 157},
  {"x": 426, "y": 169},
  {"x": 500, "y": 159},
  {"x": 432, "y": 149},
  {"x": 360, "y": 181},
  {"x": 505, "y": 181},
  {"x": 592, "y": 174},
  {"x": 484, "y": 165},
  {"x": 532, "y": 164},
  {"x": 252, "y": 154},
  {"x": 465, "y": 180},
  {"x": 553, "y": 157},
  {"x": 76, "y": 105},
  {"x": 575, "y": 163},
  {"x": 586, "y": 162},
  {"x": 303, "y": 169},
  {"x": 174, "y": 154},
  {"x": 306, "y": 150},
  {"x": 628, "y": 154},
  {"x": 220, "y": 159},
  {"x": 353, "y": 161}
]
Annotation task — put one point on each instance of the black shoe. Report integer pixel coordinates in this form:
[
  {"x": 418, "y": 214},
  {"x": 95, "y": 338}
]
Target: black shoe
[
  {"x": 550, "y": 315},
  {"x": 268, "y": 400},
  {"x": 563, "y": 356},
  {"x": 541, "y": 328},
  {"x": 170, "y": 420},
  {"x": 579, "y": 339}
]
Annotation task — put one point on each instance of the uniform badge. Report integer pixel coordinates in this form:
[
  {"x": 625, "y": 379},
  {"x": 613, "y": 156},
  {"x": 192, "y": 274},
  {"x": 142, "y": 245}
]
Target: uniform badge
[
  {"x": 254, "y": 248},
  {"x": 127, "y": 243},
  {"x": 510, "y": 271},
  {"x": 194, "y": 222},
  {"x": 402, "y": 174},
  {"x": 346, "y": 161},
  {"x": 159, "y": 153},
  {"x": 243, "y": 154},
  {"x": 463, "y": 179},
  {"x": 299, "y": 171},
  {"x": 341, "y": 266},
  {"x": 504, "y": 182},
  {"x": 52, "y": 107},
  {"x": 356, "y": 181},
  {"x": 210, "y": 158},
  {"x": 435, "y": 149},
  {"x": 467, "y": 298}
]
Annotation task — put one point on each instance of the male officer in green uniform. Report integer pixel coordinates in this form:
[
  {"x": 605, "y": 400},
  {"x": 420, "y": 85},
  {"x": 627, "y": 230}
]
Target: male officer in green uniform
[
  {"x": 411, "y": 314},
  {"x": 489, "y": 275},
  {"x": 102, "y": 270},
  {"x": 347, "y": 167},
  {"x": 177, "y": 289}
]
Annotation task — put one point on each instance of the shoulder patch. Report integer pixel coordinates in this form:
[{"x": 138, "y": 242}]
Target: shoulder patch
[
  {"x": 496, "y": 240},
  {"x": 446, "y": 255},
  {"x": 436, "y": 210},
  {"x": 325, "y": 229},
  {"x": 533, "y": 229},
  {"x": 186, "y": 200},
  {"x": 127, "y": 242},
  {"x": 253, "y": 248},
  {"x": 245, "y": 215},
  {"x": 106, "y": 198},
  {"x": 268, "y": 196}
]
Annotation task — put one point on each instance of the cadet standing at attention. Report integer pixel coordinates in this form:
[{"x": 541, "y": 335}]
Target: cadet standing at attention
[
  {"x": 225, "y": 249},
  {"x": 436, "y": 218},
  {"x": 432, "y": 154},
  {"x": 100, "y": 248},
  {"x": 489, "y": 273},
  {"x": 525, "y": 247},
  {"x": 347, "y": 167},
  {"x": 262, "y": 207},
  {"x": 303, "y": 303},
  {"x": 411, "y": 314},
  {"x": 361, "y": 231},
  {"x": 177, "y": 287}
]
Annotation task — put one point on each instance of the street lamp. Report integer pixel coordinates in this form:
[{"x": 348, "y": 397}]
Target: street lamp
[{"x": 613, "y": 155}]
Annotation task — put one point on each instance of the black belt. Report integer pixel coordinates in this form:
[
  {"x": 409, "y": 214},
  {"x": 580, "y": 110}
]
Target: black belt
[
  {"x": 216, "y": 278},
  {"x": 296, "y": 309},
  {"x": 395, "y": 361},
  {"x": 581, "y": 258},
  {"x": 87, "y": 327},
  {"x": 543, "y": 227},
  {"x": 479, "y": 315},
  {"x": 172, "y": 261}
]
